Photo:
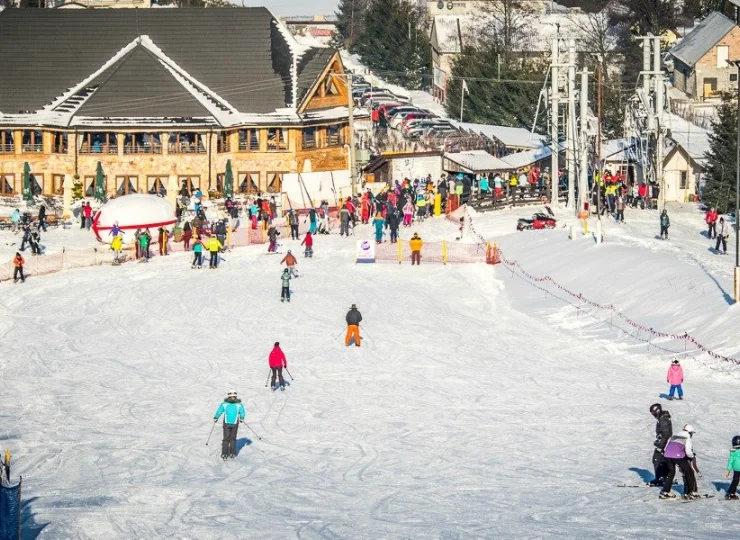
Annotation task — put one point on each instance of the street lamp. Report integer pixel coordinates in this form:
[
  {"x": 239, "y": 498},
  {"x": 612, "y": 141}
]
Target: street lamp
[{"x": 737, "y": 192}]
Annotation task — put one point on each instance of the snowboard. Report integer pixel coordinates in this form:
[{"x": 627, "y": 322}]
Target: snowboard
[{"x": 703, "y": 496}]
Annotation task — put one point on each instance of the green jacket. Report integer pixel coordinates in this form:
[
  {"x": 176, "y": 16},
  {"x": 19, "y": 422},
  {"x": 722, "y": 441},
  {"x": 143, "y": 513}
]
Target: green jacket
[
  {"x": 665, "y": 220},
  {"x": 733, "y": 464},
  {"x": 144, "y": 240},
  {"x": 286, "y": 279}
]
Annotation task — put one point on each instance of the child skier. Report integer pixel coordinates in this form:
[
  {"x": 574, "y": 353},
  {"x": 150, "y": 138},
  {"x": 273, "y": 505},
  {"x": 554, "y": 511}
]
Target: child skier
[
  {"x": 290, "y": 261},
  {"x": 233, "y": 412},
  {"x": 675, "y": 379},
  {"x": 285, "y": 291},
  {"x": 665, "y": 222},
  {"x": 197, "y": 253},
  {"x": 308, "y": 241},
  {"x": 663, "y": 432},
  {"x": 272, "y": 234},
  {"x": 277, "y": 362},
  {"x": 293, "y": 221},
  {"x": 408, "y": 213},
  {"x": 679, "y": 452},
  {"x": 213, "y": 246},
  {"x": 144, "y": 245},
  {"x": 733, "y": 466},
  {"x": 723, "y": 233},
  {"x": 18, "y": 263},
  {"x": 116, "y": 245}
]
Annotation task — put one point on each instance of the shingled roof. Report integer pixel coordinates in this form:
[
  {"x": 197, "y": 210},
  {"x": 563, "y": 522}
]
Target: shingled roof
[{"x": 151, "y": 63}]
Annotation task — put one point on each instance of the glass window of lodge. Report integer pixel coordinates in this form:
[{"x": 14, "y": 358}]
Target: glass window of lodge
[
  {"x": 249, "y": 182},
  {"x": 157, "y": 185},
  {"x": 59, "y": 145},
  {"x": 334, "y": 135},
  {"x": 57, "y": 184},
  {"x": 90, "y": 186},
  {"x": 33, "y": 140},
  {"x": 125, "y": 185},
  {"x": 274, "y": 182},
  {"x": 222, "y": 143},
  {"x": 186, "y": 143},
  {"x": 191, "y": 183},
  {"x": 142, "y": 143},
  {"x": 277, "y": 140},
  {"x": 249, "y": 140},
  {"x": 37, "y": 183},
  {"x": 98, "y": 143},
  {"x": 7, "y": 184},
  {"x": 6, "y": 142},
  {"x": 309, "y": 137}
]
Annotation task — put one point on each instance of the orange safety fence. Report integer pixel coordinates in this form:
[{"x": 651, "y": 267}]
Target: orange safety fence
[
  {"x": 440, "y": 252},
  {"x": 102, "y": 255}
]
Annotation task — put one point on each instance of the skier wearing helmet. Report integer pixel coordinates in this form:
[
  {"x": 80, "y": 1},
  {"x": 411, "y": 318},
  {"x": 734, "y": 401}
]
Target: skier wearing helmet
[
  {"x": 680, "y": 452},
  {"x": 663, "y": 432},
  {"x": 733, "y": 468},
  {"x": 233, "y": 412}
]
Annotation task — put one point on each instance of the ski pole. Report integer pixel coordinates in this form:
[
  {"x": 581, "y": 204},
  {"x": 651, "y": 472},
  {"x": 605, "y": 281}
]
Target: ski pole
[
  {"x": 288, "y": 372},
  {"x": 268, "y": 377},
  {"x": 211, "y": 433},
  {"x": 250, "y": 429}
]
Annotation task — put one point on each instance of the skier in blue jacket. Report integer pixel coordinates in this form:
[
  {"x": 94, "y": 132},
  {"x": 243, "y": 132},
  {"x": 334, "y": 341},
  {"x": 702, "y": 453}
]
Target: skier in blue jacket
[{"x": 233, "y": 412}]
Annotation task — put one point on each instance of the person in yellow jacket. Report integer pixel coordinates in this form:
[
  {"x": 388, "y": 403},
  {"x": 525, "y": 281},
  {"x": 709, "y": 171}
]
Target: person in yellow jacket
[
  {"x": 416, "y": 244},
  {"x": 116, "y": 245},
  {"x": 213, "y": 246}
]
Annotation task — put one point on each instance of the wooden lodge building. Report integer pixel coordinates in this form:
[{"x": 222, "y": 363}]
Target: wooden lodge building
[{"x": 163, "y": 98}]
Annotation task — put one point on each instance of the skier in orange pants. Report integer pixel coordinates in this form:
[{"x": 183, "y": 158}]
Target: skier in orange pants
[{"x": 353, "y": 326}]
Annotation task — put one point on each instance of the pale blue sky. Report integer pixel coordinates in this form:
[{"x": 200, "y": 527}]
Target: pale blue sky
[{"x": 295, "y": 7}]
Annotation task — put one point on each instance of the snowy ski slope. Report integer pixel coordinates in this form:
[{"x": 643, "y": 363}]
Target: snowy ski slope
[{"x": 478, "y": 406}]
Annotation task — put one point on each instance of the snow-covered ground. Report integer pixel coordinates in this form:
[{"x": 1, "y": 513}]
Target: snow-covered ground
[{"x": 478, "y": 407}]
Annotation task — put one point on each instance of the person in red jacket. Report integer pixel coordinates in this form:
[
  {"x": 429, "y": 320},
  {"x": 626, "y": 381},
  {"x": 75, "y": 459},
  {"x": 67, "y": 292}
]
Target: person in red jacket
[
  {"x": 308, "y": 241},
  {"x": 277, "y": 363},
  {"x": 711, "y": 218}
]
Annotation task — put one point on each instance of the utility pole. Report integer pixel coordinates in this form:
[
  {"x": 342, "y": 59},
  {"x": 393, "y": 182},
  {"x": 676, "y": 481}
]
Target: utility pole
[
  {"x": 554, "y": 111},
  {"x": 646, "y": 77},
  {"x": 351, "y": 137},
  {"x": 571, "y": 121},
  {"x": 659, "y": 138},
  {"x": 583, "y": 147}
]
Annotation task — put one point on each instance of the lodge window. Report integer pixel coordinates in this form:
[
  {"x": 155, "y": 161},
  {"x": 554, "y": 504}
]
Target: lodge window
[
  {"x": 57, "y": 184},
  {"x": 277, "y": 140},
  {"x": 334, "y": 135},
  {"x": 274, "y": 182},
  {"x": 99, "y": 143},
  {"x": 249, "y": 140},
  {"x": 37, "y": 183},
  {"x": 7, "y": 184},
  {"x": 89, "y": 186},
  {"x": 157, "y": 185},
  {"x": 125, "y": 185},
  {"x": 6, "y": 142},
  {"x": 222, "y": 143},
  {"x": 218, "y": 187},
  {"x": 330, "y": 88},
  {"x": 192, "y": 183},
  {"x": 142, "y": 143},
  {"x": 32, "y": 140},
  {"x": 309, "y": 138},
  {"x": 684, "y": 183},
  {"x": 186, "y": 143},
  {"x": 249, "y": 182},
  {"x": 60, "y": 143}
]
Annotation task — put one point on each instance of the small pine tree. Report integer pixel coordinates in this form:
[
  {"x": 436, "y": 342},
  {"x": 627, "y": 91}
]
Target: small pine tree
[
  {"x": 719, "y": 185},
  {"x": 76, "y": 188},
  {"x": 350, "y": 23}
]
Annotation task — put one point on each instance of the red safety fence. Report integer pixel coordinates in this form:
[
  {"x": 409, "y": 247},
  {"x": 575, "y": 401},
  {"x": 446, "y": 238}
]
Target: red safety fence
[{"x": 613, "y": 311}]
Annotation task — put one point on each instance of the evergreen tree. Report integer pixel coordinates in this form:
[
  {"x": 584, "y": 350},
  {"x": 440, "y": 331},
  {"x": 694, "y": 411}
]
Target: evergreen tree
[
  {"x": 510, "y": 101},
  {"x": 350, "y": 17},
  {"x": 395, "y": 43},
  {"x": 719, "y": 187}
]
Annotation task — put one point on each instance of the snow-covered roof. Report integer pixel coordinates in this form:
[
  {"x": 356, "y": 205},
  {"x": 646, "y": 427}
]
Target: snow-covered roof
[
  {"x": 511, "y": 137},
  {"x": 522, "y": 159},
  {"x": 624, "y": 150},
  {"x": 692, "y": 138},
  {"x": 477, "y": 161}
]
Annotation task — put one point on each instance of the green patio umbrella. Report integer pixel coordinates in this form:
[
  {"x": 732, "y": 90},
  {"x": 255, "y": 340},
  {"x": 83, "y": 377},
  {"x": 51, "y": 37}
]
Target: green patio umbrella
[
  {"x": 99, "y": 183},
  {"x": 228, "y": 180},
  {"x": 27, "y": 192}
]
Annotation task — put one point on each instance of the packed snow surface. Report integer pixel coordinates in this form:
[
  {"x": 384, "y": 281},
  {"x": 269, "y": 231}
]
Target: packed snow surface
[{"x": 479, "y": 406}]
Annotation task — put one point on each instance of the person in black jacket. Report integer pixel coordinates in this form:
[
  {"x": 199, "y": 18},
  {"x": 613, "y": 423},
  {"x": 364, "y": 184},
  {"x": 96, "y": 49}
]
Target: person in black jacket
[
  {"x": 42, "y": 217},
  {"x": 393, "y": 220},
  {"x": 663, "y": 432},
  {"x": 354, "y": 318}
]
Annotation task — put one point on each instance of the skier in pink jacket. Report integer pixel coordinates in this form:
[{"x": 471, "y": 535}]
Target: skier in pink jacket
[
  {"x": 408, "y": 213},
  {"x": 675, "y": 379}
]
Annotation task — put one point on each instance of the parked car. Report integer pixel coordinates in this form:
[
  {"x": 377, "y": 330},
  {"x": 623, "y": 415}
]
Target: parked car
[
  {"x": 369, "y": 97},
  {"x": 416, "y": 129},
  {"x": 391, "y": 111},
  {"x": 416, "y": 115}
]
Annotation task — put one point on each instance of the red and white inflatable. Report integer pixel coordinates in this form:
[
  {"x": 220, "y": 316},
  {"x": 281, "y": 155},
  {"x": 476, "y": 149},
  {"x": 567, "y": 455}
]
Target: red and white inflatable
[{"x": 133, "y": 212}]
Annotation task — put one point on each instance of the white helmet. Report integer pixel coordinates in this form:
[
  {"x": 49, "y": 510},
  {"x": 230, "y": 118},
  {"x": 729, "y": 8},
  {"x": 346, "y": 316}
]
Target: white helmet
[{"x": 688, "y": 428}]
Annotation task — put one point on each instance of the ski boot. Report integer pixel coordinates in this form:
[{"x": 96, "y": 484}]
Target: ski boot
[
  {"x": 666, "y": 495},
  {"x": 732, "y": 497}
]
